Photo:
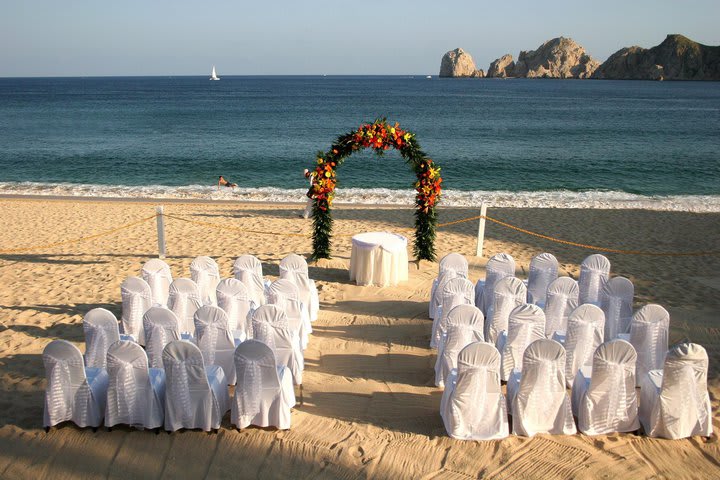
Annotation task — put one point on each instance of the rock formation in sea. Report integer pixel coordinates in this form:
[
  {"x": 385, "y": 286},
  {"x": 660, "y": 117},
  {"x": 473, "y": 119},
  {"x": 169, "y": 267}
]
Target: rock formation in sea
[
  {"x": 557, "y": 58},
  {"x": 502, "y": 67},
  {"x": 459, "y": 63},
  {"x": 676, "y": 58}
]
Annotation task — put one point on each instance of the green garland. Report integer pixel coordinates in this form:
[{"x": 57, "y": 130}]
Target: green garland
[{"x": 379, "y": 136}]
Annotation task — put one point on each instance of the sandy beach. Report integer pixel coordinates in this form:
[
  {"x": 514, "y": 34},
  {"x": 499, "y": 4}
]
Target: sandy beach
[{"x": 370, "y": 406}]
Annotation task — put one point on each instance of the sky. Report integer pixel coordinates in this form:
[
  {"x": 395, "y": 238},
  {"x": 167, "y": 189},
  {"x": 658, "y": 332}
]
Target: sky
[{"x": 309, "y": 37}]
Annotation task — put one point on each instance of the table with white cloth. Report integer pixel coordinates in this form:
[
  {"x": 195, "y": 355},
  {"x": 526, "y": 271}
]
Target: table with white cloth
[{"x": 379, "y": 258}]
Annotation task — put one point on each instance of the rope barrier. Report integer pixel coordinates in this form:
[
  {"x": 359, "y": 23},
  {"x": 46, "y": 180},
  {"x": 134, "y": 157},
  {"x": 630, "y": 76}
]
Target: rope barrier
[
  {"x": 582, "y": 245},
  {"x": 230, "y": 227},
  {"x": 77, "y": 240}
]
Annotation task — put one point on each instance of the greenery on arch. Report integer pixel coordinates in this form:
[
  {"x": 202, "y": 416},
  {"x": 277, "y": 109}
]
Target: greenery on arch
[{"x": 379, "y": 136}]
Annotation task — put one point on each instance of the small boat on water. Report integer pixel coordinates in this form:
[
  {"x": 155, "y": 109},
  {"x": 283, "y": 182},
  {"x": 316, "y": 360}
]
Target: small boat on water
[
  {"x": 429, "y": 76},
  {"x": 213, "y": 75}
]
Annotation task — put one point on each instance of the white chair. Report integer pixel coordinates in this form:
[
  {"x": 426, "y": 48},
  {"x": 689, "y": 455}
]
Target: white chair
[
  {"x": 473, "y": 406},
  {"x": 158, "y": 275},
  {"x": 136, "y": 394},
  {"x": 196, "y": 396},
  {"x": 205, "y": 273},
  {"x": 184, "y": 300},
  {"x": 543, "y": 271},
  {"x": 295, "y": 268},
  {"x": 285, "y": 294},
  {"x": 561, "y": 300},
  {"x": 270, "y": 326},
  {"x": 594, "y": 272},
  {"x": 674, "y": 401},
  {"x": 526, "y": 324},
  {"x": 264, "y": 394},
  {"x": 604, "y": 401},
  {"x": 617, "y": 302},
  {"x": 584, "y": 335},
  {"x": 499, "y": 266},
  {"x": 463, "y": 326},
  {"x": 137, "y": 298},
  {"x": 649, "y": 330},
  {"x": 248, "y": 270},
  {"x": 101, "y": 330},
  {"x": 539, "y": 402},
  {"x": 214, "y": 339},
  {"x": 161, "y": 327},
  {"x": 452, "y": 261},
  {"x": 510, "y": 292},
  {"x": 457, "y": 291},
  {"x": 436, "y": 295},
  {"x": 73, "y": 392},
  {"x": 233, "y": 297}
]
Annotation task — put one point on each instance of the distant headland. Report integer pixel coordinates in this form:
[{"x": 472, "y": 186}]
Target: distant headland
[{"x": 676, "y": 58}]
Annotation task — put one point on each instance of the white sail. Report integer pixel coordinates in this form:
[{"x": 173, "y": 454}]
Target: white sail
[{"x": 213, "y": 75}]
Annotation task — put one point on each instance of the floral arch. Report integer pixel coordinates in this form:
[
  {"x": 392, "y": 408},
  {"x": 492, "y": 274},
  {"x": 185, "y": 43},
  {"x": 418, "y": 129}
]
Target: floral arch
[{"x": 379, "y": 136}]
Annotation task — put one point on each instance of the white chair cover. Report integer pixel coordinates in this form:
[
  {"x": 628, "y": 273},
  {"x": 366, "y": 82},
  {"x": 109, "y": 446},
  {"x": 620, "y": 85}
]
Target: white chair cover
[
  {"x": 510, "y": 292},
  {"x": 158, "y": 275},
  {"x": 649, "y": 330},
  {"x": 205, "y": 273},
  {"x": 73, "y": 392},
  {"x": 594, "y": 272},
  {"x": 451, "y": 261},
  {"x": 617, "y": 302},
  {"x": 463, "y": 325},
  {"x": 584, "y": 335},
  {"x": 561, "y": 300},
  {"x": 233, "y": 297},
  {"x": 101, "y": 330},
  {"x": 543, "y": 271},
  {"x": 499, "y": 266},
  {"x": 270, "y": 326},
  {"x": 136, "y": 395},
  {"x": 285, "y": 294},
  {"x": 136, "y": 300},
  {"x": 196, "y": 396},
  {"x": 526, "y": 324},
  {"x": 161, "y": 327},
  {"x": 457, "y": 291},
  {"x": 295, "y": 268},
  {"x": 264, "y": 394},
  {"x": 539, "y": 402},
  {"x": 607, "y": 402},
  {"x": 184, "y": 300},
  {"x": 215, "y": 340},
  {"x": 674, "y": 402},
  {"x": 473, "y": 406},
  {"x": 438, "y": 286},
  {"x": 248, "y": 270}
]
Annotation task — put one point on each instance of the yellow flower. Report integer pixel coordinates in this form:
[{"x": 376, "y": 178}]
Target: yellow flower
[
  {"x": 392, "y": 129},
  {"x": 407, "y": 136}
]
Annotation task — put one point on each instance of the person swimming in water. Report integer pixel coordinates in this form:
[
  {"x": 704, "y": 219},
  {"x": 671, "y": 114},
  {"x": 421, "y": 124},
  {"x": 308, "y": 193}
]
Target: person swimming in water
[{"x": 225, "y": 183}]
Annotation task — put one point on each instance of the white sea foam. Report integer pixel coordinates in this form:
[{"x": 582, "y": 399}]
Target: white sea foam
[{"x": 381, "y": 196}]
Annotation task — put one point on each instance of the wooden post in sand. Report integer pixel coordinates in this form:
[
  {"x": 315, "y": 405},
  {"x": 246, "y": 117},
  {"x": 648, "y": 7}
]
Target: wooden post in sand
[
  {"x": 160, "y": 231},
  {"x": 481, "y": 230}
]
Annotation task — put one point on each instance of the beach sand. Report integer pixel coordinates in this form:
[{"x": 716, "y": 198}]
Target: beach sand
[{"x": 370, "y": 408}]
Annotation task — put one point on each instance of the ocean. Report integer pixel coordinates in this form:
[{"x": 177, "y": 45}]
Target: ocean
[{"x": 516, "y": 142}]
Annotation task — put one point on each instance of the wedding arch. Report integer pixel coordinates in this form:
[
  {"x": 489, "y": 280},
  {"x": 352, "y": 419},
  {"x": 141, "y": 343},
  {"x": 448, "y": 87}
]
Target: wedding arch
[{"x": 379, "y": 136}]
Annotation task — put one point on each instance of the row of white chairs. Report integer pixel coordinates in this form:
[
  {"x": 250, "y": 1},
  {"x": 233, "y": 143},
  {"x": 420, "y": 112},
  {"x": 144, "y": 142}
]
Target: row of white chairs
[
  {"x": 247, "y": 290},
  {"x": 673, "y": 402},
  {"x": 186, "y": 393}
]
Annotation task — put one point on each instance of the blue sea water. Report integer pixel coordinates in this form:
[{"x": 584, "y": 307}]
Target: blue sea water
[{"x": 524, "y": 139}]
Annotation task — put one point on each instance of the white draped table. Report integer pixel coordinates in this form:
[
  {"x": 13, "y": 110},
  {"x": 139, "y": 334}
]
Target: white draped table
[{"x": 379, "y": 258}]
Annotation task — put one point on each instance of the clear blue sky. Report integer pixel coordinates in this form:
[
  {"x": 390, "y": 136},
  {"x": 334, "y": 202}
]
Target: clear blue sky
[{"x": 282, "y": 37}]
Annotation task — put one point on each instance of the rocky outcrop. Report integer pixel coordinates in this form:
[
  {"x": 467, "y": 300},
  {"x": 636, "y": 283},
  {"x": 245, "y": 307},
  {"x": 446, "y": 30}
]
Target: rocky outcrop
[
  {"x": 459, "y": 63},
  {"x": 557, "y": 58},
  {"x": 502, "y": 67},
  {"x": 676, "y": 58}
]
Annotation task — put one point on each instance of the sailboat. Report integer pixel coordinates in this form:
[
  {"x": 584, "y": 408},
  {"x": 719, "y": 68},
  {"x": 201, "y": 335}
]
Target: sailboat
[{"x": 213, "y": 75}]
